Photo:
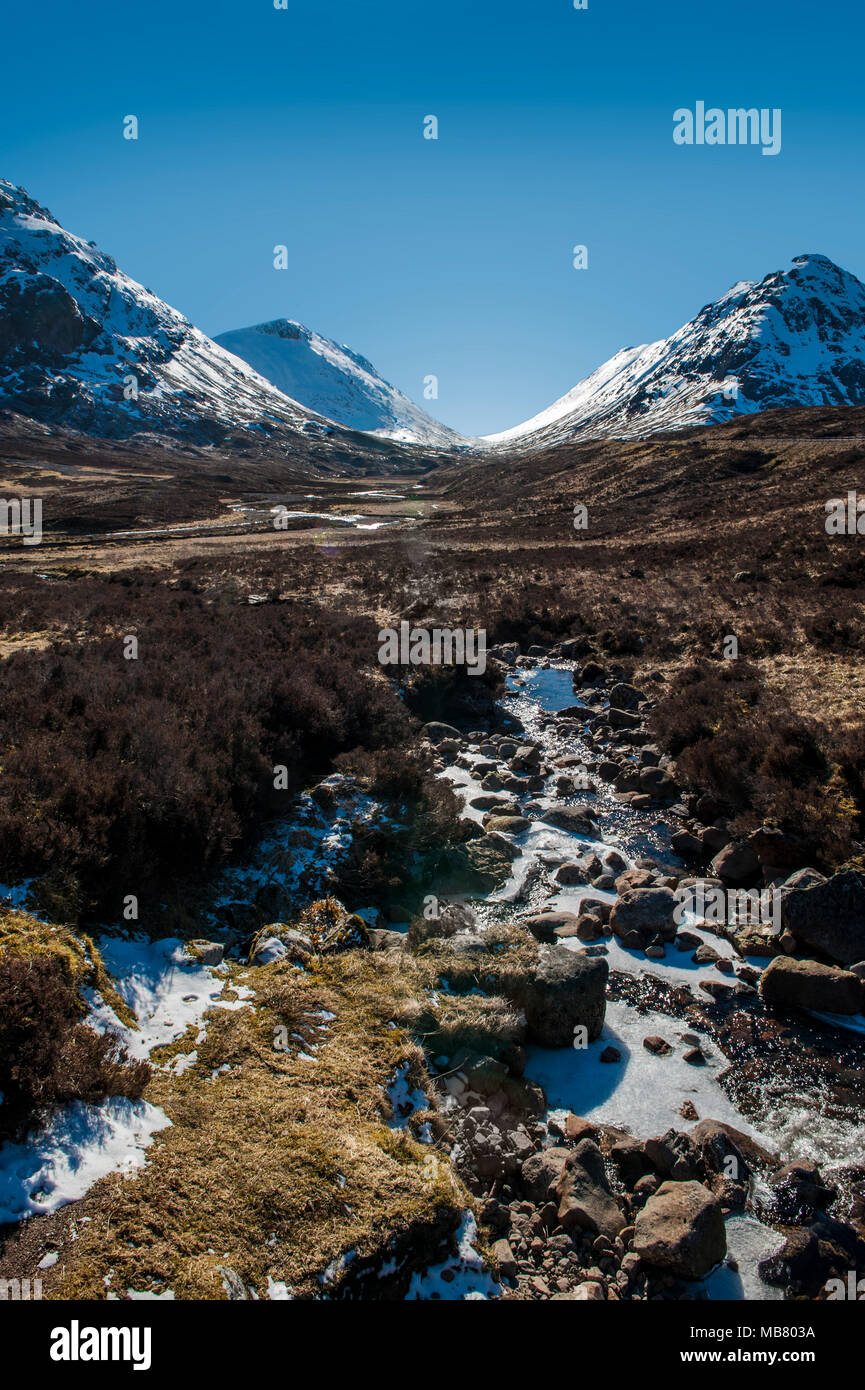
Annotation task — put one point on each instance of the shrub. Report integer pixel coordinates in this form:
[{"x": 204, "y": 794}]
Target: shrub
[{"x": 48, "y": 1056}]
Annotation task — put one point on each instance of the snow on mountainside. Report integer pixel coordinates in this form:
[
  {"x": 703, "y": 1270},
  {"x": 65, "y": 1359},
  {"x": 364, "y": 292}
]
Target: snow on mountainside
[
  {"x": 796, "y": 338},
  {"x": 78, "y": 338},
  {"x": 334, "y": 381}
]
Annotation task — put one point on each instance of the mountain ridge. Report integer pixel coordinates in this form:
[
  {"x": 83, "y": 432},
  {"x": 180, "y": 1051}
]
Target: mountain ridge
[
  {"x": 335, "y": 381},
  {"x": 738, "y": 355},
  {"x": 84, "y": 345}
]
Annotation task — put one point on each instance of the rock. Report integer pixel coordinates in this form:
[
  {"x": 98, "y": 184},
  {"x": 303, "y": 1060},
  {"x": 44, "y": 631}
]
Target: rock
[
  {"x": 809, "y": 985},
  {"x": 586, "y": 1201},
  {"x": 436, "y": 733},
  {"x": 826, "y": 1249},
  {"x": 567, "y": 990},
  {"x": 624, "y": 696},
  {"x": 658, "y": 1046},
  {"x": 573, "y": 647},
  {"x": 588, "y": 1291},
  {"x": 503, "y": 1257},
  {"x": 804, "y": 878},
  {"x": 454, "y": 918},
  {"x": 737, "y": 865},
  {"x": 775, "y": 848},
  {"x": 492, "y": 855},
  {"x": 608, "y": 771},
  {"x": 829, "y": 917},
  {"x": 610, "y": 1054},
  {"x": 266, "y": 949},
  {"x": 576, "y": 819},
  {"x": 576, "y": 1128},
  {"x": 491, "y": 783},
  {"x": 646, "y": 910},
  {"x": 544, "y": 925},
  {"x": 526, "y": 757},
  {"x": 382, "y": 940},
  {"x": 506, "y": 825},
  {"x": 799, "y": 1192},
  {"x": 207, "y": 952},
  {"x": 705, "y": 955},
  {"x": 718, "y": 1141},
  {"x": 570, "y": 874},
  {"x": 588, "y": 927},
  {"x": 695, "y": 1058},
  {"x": 657, "y": 783},
  {"x": 634, "y": 878},
  {"x": 490, "y": 802},
  {"x": 687, "y": 845},
  {"x": 681, "y": 1230},
  {"x": 713, "y": 839},
  {"x": 622, "y": 719},
  {"x": 542, "y": 1171},
  {"x": 673, "y": 1155},
  {"x": 591, "y": 674},
  {"x": 688, "y": 941}
]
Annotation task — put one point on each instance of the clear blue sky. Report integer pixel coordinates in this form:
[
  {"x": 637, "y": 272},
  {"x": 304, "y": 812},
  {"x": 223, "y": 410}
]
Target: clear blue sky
[{"x": 304, "y": 127}]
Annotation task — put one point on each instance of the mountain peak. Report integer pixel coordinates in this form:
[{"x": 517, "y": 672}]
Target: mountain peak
[
  {"x": 794, "y": 338},
  {"x": 334, "y": 381}
]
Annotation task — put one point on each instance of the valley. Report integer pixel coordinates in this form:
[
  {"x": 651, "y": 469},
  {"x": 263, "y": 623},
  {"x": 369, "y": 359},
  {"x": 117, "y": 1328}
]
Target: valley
[
  {"x": 281, "y": 979},
  {"x": 368, "y": 793}
]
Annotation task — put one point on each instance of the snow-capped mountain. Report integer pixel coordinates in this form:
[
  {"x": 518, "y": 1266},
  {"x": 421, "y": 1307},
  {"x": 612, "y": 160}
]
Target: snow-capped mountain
[
  {"x": 796, "y": 338},
  {"x": 84, "y": 345},
  {"x": 334, "y": 381}
]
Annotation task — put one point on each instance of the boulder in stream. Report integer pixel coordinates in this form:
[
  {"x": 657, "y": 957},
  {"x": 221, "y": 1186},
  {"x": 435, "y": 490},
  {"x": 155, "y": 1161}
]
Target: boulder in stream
[
  {"x": 681, "y": 1230},
  {"x": 646, "y": 911},
  {"x": 567, "y": 990},
  {"x": 829, "y": 916},
  {"x": 809, "y": 985}
]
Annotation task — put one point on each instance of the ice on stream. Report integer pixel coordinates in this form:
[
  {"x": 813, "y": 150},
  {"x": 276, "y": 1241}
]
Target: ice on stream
[{"x": 642, "y": 1093}]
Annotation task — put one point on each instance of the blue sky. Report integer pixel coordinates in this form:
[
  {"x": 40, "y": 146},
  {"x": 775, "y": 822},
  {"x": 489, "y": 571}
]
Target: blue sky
[{"x": 303, "y": 127}]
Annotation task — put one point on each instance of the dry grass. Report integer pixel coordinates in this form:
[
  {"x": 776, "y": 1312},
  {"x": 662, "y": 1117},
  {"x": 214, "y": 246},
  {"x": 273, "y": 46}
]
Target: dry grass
[{"x": 281, "y": 1165}]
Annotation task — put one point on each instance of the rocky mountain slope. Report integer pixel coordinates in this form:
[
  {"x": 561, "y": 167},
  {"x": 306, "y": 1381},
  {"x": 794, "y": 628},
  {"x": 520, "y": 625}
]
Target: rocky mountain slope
[
  {"x": 83, "y": 344},
  {"x": 796, "y": 338}
]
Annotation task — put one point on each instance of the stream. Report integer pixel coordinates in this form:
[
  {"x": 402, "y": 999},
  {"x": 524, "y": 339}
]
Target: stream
[{"x": 642, "y": 1092}]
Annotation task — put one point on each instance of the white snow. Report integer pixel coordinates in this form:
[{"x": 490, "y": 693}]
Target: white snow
[
  {"x": 798, "y": 337},
  {"x": 405, "y": 1100},
  {"x": 165, "y": 988},
  {"x": 334, "y": 382},
  {"x": 470, "y": 1279},
  {"x": 79, "y": 1145}
]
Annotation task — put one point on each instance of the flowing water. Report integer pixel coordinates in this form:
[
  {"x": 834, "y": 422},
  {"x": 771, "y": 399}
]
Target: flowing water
[{"x": 642, "y": 1092}]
